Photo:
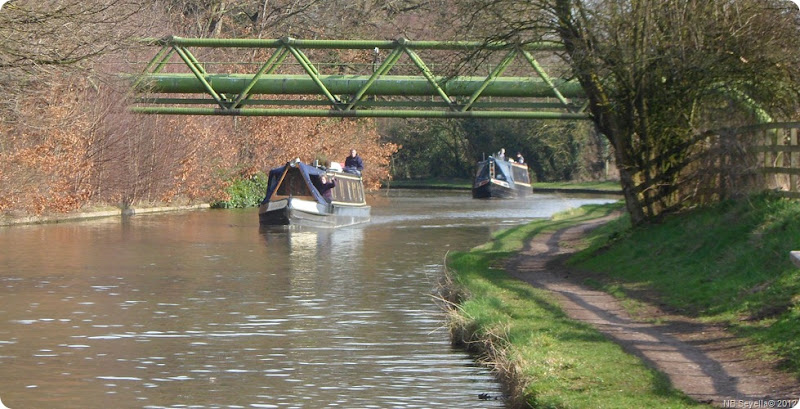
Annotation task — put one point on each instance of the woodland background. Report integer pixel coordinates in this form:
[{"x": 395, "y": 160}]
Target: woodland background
[
  {"x": 662, "y": 78},
  {"x": 67, "y": 141}
]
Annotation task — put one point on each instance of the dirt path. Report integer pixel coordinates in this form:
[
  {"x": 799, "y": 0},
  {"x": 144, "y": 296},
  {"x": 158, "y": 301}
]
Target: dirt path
[{"x": 704, "y": 361}]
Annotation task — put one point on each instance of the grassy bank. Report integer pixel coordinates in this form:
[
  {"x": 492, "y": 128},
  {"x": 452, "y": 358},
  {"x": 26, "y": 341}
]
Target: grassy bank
[
  {"x": 432, "y": 183},
  {"x": 466, "y": 184},
  {"x": 601, "y": 186},
  {"x": 727, "y": 264},
  {"x": 546, "y": 359}
]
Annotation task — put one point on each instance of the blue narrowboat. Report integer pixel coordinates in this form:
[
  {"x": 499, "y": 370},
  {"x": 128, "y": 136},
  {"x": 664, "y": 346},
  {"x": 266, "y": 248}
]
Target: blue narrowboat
[{"x": 501, "y": 179}]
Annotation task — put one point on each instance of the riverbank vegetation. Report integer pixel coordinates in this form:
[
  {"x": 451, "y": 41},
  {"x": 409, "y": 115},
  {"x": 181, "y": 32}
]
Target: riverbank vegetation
[
  {"x": 244, "y": 192},
  {"x": 727, "y": 264}
]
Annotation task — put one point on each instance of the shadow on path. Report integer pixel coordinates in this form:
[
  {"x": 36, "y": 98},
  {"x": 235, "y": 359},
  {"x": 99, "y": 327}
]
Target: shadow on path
[{"x": 703, "y": 361}]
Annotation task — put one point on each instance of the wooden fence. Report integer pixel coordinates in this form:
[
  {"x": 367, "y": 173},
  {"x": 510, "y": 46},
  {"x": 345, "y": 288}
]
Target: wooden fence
[{"x": 778, "y": 155}]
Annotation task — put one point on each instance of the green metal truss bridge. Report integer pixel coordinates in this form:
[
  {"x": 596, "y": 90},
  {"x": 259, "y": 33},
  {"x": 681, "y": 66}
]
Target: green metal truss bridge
[{"x": 292, "y": 77}]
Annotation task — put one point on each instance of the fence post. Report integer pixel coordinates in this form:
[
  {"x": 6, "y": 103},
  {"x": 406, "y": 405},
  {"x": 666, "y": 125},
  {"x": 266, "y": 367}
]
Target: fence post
[
  {"x": 768, "y": 151},
  {"x": 794, "y": 161}
]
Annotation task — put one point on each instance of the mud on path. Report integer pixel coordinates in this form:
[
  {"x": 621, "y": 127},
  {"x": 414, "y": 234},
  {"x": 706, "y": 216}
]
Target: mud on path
[{"x": 704, "y": 361}]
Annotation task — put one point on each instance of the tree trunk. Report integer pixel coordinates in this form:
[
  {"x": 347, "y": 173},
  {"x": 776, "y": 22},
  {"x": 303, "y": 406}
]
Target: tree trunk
[{"x": 609, "y": 123}]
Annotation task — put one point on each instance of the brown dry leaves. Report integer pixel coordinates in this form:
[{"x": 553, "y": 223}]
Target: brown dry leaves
[{"x": 69, "y": 145}]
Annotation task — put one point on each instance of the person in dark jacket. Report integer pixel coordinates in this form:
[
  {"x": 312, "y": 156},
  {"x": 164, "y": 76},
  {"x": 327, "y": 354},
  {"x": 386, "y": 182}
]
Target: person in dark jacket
[
  {"x": 353, "y": 163},
  {"x": 326, "y": 186}
]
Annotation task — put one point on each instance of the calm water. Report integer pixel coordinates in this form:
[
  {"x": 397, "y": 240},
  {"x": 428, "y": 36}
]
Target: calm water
[{"x": 206, "y": 310}]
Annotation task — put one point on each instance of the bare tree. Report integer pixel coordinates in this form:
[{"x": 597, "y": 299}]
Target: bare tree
[
  {"x": 38, "y": 39},
  {"x": 62, "y": 32},
  {"x": 308, "y": 19}
]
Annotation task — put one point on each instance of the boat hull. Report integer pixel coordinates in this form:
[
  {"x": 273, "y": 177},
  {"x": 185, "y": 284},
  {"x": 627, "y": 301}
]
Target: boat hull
[
  {"x": 307, "y": 213},
  {"x": 496, "y": 189}
]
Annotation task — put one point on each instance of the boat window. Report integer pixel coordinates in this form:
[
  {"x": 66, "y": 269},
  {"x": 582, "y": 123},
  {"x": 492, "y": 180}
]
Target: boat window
[
  {"x": 348, "y": 190},
  {"x": 360, "y": 193},
  {"x": 520, "y": 174},
  {"x": 340, "y": 191}
]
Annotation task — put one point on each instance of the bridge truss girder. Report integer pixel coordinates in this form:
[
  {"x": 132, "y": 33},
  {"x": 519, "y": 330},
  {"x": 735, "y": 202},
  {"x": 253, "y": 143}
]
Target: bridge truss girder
[{"x": 380, "y": 93}]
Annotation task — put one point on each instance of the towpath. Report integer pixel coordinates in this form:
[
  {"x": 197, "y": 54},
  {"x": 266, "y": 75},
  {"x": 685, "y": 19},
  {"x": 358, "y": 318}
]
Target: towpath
[{"x": 704, "y": 361}]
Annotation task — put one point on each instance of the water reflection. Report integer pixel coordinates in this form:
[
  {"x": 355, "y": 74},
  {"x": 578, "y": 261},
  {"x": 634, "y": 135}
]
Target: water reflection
[
  {"x": 358, "y": 333},
  {"x": 308, "y": 246}
]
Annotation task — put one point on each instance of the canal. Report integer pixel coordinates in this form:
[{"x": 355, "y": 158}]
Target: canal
[{"x": 205, "y": 309}]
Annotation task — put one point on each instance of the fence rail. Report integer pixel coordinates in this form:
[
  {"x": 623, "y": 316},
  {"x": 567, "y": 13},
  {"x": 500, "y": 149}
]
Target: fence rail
[{"x": 778, "y": 155}]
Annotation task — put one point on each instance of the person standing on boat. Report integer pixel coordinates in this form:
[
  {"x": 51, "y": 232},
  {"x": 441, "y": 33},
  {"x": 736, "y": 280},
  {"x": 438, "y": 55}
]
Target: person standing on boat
[
  {"x": 501, "y": 154},
  {"x": 520, "y": 159},
  {"x": 326, "y": 186},
  {"x": 353, "y": 163}
]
